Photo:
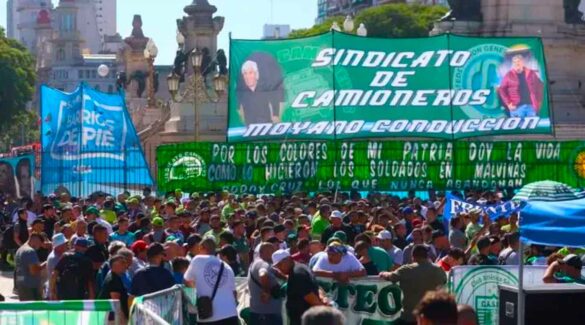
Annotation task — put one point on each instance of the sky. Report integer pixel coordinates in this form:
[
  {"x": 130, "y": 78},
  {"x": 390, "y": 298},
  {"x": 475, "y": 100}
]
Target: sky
[{"x": 243, "y": 18}]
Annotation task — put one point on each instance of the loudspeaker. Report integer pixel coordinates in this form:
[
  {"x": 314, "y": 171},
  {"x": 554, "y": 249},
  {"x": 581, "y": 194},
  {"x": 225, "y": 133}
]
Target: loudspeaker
[{"x": 544, "y": 304}]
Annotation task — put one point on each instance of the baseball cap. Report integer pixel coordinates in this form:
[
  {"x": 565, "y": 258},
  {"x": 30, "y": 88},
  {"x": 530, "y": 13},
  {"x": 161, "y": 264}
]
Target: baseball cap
[
  {"x": 92, "y": 210},
  {"x": 138, "y": 245},
  {"x": 59, "y": 239},
  {"x": 574, "y": 261},
  {"x": 158, "y": 222},
  {"x": 82, "y": 242},
  {"x": 291, "y": 237},
  {"x": 341, "y": 235},
  {"x": 336, "y": 214},
  {"x": 416, "y": 223},
  {"x": 279, "y": 228},
  {"x": 407, "y": 210},
  {"x": 475, "y": 211},
  {"x": 335, "y": 247},
  {"x": 384, "y": 235},
  {"x": 279, "y": 256}
]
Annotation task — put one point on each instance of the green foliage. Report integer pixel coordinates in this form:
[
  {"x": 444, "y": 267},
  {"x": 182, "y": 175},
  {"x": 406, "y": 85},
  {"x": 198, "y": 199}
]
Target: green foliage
[
  {"x": 17, "y": 82},
  {"x": 317, "y": 29},
  {"x": 388, "y": 21},
  {"x": 22, "y": 130}
]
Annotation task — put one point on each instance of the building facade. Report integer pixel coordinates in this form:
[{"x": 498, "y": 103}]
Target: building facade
[
  {"x": 96, "y": 22},
  {"x": 331, "y": 8}
]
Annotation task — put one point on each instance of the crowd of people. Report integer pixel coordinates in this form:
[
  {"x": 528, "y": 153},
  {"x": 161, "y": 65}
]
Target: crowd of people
[{"x": 103, "y": 247}]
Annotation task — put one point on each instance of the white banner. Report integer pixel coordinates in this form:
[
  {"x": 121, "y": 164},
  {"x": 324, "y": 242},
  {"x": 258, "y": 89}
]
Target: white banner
[{"x": 477, "y": 286}]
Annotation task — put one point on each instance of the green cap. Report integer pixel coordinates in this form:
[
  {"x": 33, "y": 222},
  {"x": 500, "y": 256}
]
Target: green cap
[
  {"x": 171, "y": 201},
  {"x": 340, "y": 235},
  {"x": 92, "y": 210},
  {"x": 194, "y": 195},
  {"x": 158, "y": 222},
  {"x": 291, "y": 237},
  {"x": 133, "y": 200}
]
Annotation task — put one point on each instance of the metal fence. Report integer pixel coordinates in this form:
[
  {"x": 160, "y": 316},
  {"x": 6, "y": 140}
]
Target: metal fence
[
  {"x": 170, "y": 306},
  {"x": 86, "y": 172}
]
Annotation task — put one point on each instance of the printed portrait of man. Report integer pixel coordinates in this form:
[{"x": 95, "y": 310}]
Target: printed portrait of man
[
  {"x": 260, "y": 90},
  {"x": 521, "y": 89},
  {"x": 7, "y": 182},
  {"x": 24, "y": 177}
]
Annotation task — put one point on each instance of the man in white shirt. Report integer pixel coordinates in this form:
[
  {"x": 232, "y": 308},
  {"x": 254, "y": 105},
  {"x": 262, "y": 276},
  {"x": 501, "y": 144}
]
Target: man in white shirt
[
  {"x": 203, "y": 273},
  {"x": 385, "y": 241},
  {"x": 338, "y": 264},
  {"x": 510, "y": 256}
]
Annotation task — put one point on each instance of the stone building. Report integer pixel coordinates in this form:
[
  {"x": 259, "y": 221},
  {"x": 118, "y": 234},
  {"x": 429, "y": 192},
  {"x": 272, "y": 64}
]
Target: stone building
[{"x": 562, "y": 29}]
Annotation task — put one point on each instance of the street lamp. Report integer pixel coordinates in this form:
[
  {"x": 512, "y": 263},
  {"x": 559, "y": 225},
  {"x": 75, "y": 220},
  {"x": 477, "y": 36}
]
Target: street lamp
[
  {"x": 335, "y": 27},
  {"x": 348, "y": 24},
  {"x": 196, "y": 88},
  {"x": 150, "y": 53},
  {"x": 362, "y": 31}
]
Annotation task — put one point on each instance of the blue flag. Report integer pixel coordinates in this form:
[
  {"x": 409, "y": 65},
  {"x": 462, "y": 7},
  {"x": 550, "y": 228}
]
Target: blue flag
[
  {"x": 560, "y": 223},
  {"x": 89, "y": 144},
  {"x": 454, "y": 205}
]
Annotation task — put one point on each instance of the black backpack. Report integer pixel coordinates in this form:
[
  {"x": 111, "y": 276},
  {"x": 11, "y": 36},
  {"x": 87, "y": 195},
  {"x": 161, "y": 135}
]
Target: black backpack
[
  {"x": 8, "y": 238},
  {"x": 69, "y": 282}
]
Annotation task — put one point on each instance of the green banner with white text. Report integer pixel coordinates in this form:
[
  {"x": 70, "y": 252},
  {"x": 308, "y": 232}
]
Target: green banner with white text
[
  {"x": 287, "y": 167},
  {"x": 341, "y": 86}
]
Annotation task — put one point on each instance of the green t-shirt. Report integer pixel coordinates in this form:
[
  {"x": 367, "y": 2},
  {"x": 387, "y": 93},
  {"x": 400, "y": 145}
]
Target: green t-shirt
[
  {"x": 471, "y": 230},
  {"x": 381, "y": 259},
  {"x": 109, "y": 216},
  {"x": 241, "y": 245},
  {"x": 318, "y": 225},
  {"x": 215, "y": 235}
]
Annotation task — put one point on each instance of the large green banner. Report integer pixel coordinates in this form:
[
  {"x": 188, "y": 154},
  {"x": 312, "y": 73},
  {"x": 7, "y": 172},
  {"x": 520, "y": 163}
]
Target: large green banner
[
  {"x": 366, "y": 165},
  {"x": 341, "y": 86}
]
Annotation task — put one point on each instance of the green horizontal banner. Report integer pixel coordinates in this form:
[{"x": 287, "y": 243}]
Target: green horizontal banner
[
  {"x": 366, "y": 166},
  {"x": 341, "y": 86}
]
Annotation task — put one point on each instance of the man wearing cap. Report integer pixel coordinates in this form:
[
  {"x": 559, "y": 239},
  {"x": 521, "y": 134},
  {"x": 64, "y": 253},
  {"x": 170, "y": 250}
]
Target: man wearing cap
[
  {"x": 264, "y": 307},
  {"x": 108, "y": 210},
  {"x": 567, "y": 270},
  {"x": 143, "y": 281},
  {"x": 93, "y": 213},
  {"x": 473, "y": 227},
  {"x": 338, "y": 264},
  {"x": 510, "y": 255},
  {"x": 73, "y": 276},
  {"x": 59, "y": 248},
  {"x": 140, "y": 260},
  {"x": 336, "y": 225},
  {"x": 302, "y": 293},
  {"x": 205, "y": 270},
  {"x": 158, "y": 234},
  {"x": 385, "y": 241}
]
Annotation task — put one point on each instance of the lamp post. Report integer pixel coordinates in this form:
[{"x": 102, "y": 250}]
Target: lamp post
[
  {"x": 349, "y": 26},
  {"x": 196, "y": 89},
  {"x": 150, "y": 53}
]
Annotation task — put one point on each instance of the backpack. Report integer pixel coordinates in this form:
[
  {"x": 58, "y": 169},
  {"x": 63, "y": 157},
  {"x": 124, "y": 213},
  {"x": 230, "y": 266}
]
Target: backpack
[
  {"x": 502, "y": 259},
  {"x": 69, "y": 286},
  {"x": 8, "y": 238}
]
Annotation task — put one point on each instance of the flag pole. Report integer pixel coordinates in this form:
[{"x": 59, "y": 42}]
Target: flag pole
[{"x": 521, "y": 299}]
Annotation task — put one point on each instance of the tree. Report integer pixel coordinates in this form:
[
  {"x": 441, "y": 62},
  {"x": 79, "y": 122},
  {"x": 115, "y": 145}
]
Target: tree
[
  {"x": 389, "y": 21},
  {"x": 17, "y": 82}
]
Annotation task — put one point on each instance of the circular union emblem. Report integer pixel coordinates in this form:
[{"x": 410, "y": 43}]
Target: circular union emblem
[
  {"x": 579, "y": 164},
  {"x": 479, "y": 288},
  {"x": 482, "y": 72},
  {"x": 187, "y": 165}
]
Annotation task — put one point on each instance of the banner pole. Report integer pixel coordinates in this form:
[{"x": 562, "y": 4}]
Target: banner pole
[{"x": 521, "y": 284}]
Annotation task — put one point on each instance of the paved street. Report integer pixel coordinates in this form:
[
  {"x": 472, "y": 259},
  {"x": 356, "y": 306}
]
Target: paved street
[{"x": 6, "y": 286}]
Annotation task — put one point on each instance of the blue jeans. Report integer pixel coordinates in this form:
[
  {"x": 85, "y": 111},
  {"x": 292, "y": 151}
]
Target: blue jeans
[
  {"x": 523, "y": 111},
  {"x": 265, "y": 319}
]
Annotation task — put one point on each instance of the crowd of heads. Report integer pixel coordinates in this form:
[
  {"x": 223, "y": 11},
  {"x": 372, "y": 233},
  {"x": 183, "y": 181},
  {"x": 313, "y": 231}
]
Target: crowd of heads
[{"x": 336, "y": 230}]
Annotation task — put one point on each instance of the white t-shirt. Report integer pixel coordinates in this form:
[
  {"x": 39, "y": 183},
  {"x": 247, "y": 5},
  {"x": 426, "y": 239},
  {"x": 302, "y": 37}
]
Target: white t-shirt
[
  {"x": 204, "y": 270},
  {"x": 396, "y": 254},
  {"x": 511, "y": 256},
  {"x": 348, "y": 263},
  {"x": 30, "y": 217}
]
